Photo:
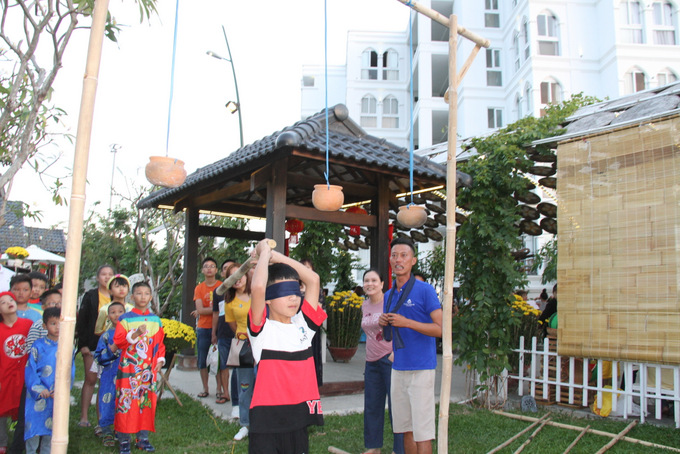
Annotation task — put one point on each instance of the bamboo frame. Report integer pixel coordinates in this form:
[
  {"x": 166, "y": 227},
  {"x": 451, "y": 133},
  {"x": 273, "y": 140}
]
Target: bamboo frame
[
  {"x": 518, "y": 434},
  {"x": 62, "y": 386},
  {"x": 576, "y": 440}
]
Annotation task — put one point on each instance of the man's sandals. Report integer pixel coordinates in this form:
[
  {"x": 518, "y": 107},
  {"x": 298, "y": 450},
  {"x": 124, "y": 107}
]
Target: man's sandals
[
  {"x": 203, "y": 394},
  {"x": 221, "y": 399}
]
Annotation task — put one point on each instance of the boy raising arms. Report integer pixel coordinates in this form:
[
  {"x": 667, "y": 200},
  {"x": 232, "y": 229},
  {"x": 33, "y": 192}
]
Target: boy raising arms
[{"x": 286, "y": 395}]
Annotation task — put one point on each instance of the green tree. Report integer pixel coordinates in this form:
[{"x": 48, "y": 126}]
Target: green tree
[
  {"x": 317, "y": 243},
  {"x": 485, "y": 267},
  {"x": 547, "y": 255},
  {"x": 35, "y": 35}
]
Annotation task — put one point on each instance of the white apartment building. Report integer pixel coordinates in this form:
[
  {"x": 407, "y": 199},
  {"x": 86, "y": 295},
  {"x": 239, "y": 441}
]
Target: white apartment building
[{"x": 541, "y": 52}]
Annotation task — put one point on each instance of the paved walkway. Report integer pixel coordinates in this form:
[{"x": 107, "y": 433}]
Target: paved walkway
[{"x": 189, "y": 382}]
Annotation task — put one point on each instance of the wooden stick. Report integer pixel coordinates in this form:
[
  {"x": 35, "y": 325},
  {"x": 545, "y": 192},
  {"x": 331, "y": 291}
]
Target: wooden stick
[
  {"x": 531, "y": 437},
  {"x": 591, "y": 431},
  {"x": 62, "y": 385},
  {"x": 573, "y": 443},
  {"x": 335, "y": 450},
  {"x": 615, "y": 440},
  {"x": 516, "y": 436},
  {"x": 231, "y": 280}
]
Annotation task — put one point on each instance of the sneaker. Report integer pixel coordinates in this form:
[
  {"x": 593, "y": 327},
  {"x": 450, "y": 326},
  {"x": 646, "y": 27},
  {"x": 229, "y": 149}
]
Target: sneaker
[
  {"x": 145, "y": 445},
  {"x": 235, "y": 412},
  {"x": 241, "y": 434},
  {"x": 125, "y": 447}
]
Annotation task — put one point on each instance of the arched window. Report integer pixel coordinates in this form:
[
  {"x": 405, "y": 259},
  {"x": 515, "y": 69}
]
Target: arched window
[
  {"x": 518, "y": 105},
  {"x": 515, "y": 49},
  {"x": 551, "y": 93},
  {"x": 631, "y": 22},
  {"x": 525, "y": 36},
  {"x": 635, "y": 80},
  {"x": 390, "y": 65},
  {"x": 390, "y": 112},
  {"x": 369, "y": 65},
  {"x": 665, "y": 77},
  {"x": 369, "y": 117},
  {"x": 528, "y": 99},
  {"x": 664, "y": 23},
  {"x": 548, "y": 34}
]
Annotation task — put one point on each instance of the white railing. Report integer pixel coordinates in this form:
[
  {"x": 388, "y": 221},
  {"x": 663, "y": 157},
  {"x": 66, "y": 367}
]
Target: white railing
[{"x": 648, "y": 387}]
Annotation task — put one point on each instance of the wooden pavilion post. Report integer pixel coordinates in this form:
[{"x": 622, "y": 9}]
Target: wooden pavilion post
[
  {"x": 62, "y": 386},
  {"x": 379, "y": 234},
  {"x": 277, "y": 188},
  {"x": 451, "y": 180},
  {"x": 190, "y": 266}
]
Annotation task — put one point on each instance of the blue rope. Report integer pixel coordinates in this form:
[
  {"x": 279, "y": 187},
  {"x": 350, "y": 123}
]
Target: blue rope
[
  {"x": 325, "y": 65},
  {"x": 172, "y": 79},
  {"x": 411, "y": 145}
]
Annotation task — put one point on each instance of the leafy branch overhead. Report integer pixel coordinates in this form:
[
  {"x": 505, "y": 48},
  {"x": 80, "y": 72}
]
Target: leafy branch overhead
[{"x": 34, "y": 36}]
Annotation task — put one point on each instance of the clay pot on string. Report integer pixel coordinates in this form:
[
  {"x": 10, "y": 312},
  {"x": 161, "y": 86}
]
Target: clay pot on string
[
  {"x": 165, "y": 171},
  {"x": 412, "y": 216},
  {"x": 327, "y": 197}
]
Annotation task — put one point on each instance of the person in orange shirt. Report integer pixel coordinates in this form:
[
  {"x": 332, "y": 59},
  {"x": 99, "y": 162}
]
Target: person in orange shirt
[{"x": 204, "y": 314}]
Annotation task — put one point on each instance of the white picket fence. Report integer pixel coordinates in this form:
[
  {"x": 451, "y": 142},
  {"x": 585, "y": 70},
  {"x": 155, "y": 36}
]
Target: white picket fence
[{"x": 643, "y": 390}]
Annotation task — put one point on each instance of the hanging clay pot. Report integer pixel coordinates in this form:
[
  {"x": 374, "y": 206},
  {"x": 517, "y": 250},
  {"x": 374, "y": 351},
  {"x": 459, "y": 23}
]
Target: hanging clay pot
[
  {"x": 412, "y": 216},
  {"x": 327, "y": 197},
  {"x": 165, "y": 171}
]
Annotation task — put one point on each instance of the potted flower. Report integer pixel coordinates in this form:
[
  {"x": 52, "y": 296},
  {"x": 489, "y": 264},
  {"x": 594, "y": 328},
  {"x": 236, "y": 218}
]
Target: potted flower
[
  {"x": 527, "y": 324},
  {"x": 17, "y": 254},
  {"x": 178, "y": 336},
  {"x": 344, "y": 324}
]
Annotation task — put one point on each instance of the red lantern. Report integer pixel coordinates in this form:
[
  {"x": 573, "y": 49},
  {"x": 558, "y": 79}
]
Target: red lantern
[
  {"x": 294, "y": 226},
  {"x": 355, "y": 230}
]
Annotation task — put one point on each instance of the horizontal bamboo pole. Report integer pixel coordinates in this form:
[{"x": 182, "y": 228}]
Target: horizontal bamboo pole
[
  {"x": 516, "y": 436},
  {"x": 591, "y": 431},
  {"x": 618, "y": 437},
  {"x": 573, "y": 443},
  {"x": 440, "y": 18}
]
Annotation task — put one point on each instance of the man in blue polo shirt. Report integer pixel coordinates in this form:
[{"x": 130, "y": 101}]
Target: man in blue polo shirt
[{"x": 413, "y": 320}]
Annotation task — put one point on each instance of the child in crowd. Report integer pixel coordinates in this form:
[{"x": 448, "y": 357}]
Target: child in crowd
[
  {"x": 21, "y": 286},
  {"x": 107, "y": 356},
  {"x": 51, "y": 298},
  {"x": 13, "y": 356},
  {"x": 39, "y": 284},
  {"x": 119, "y": 287},
  {"x": 40, "y": 375},
  {"x": 286, "y": 396},
  {"x": 139, "y": 336}
]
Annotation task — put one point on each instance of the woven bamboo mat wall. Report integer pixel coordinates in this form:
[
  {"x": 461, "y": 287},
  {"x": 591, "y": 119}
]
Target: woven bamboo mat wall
[{"x": 619, "y": 244}]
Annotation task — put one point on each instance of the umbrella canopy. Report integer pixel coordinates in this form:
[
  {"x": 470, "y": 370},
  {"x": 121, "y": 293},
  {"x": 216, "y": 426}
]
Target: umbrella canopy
[{"x": 36, "y": 254}]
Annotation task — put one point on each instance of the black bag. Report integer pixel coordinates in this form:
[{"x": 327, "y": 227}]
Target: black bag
[{"x": 240, "y": 353}]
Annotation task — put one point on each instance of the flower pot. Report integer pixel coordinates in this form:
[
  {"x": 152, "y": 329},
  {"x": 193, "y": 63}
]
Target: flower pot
[
  {"x": 412, "y": 216},
  {"x": 16, "y": 263},
  {"x": 327, "y": 197},
  {"x": 165, "y": 171},
  {"x": 342, "y": 354}
]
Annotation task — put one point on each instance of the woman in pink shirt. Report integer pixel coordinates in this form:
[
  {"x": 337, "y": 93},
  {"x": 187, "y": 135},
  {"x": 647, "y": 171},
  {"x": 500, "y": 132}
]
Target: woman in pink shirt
[{"x": 378, "y": 372}]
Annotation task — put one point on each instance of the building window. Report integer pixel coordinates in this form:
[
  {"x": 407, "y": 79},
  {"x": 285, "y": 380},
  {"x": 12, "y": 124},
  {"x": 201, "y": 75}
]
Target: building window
[
  {"x": 548, "y": 38},
  {"x": 494, "y": 117},
  {"x": 492, "y": 18},
  {"x": 369, "y": 118},
  {"x": 515, "y": 50},
  {"x": 634, "y": 81},
  {"x": 390, "y": 65},
  {"x": 631, "y": 22},
  {"x": 528, "y": 99},
  {"x": 369, "y": 65},
  {"x": 494, "y": 76},
  {"x": 307, "y": 81},
  {"x": 525, "y": 35},
  {"x": 666, "y": 77},
  {"x": 518, "y": 106},
  {"x": 664, "y": 30},
  {"x": 390, "y": 112},
  {"x": 551, "y": 93}
]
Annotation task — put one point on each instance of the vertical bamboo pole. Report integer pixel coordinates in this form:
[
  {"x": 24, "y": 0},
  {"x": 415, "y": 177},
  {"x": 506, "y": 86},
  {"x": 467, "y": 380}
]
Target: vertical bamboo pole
[
  {"x": 447, "y": 354},
  {"x": 62, "y": 387}
]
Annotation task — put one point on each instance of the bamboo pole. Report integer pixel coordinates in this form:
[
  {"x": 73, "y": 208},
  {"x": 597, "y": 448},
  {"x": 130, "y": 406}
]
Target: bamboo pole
[
  {"x": 519, "y": 434},
  {"x": 618, "y": 437},
  {"x": 239, "y": 273},
  {"x": 591, "y": 431},
  {"x": 531, "y": 437},
  {"x": 573, "y": 443},
  {"x": 62, "y": 386},
  {"x": 450, "y": 263},
  {"x": 437, "y": 17}
]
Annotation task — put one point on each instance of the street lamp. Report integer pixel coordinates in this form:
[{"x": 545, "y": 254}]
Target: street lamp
[
  {"x": 114, "y": 149},
  {"x": 231, "y": 105}
]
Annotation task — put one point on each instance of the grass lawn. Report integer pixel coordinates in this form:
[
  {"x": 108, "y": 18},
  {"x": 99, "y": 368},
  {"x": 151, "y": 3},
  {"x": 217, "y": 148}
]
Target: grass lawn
[{"x": 193, "y": 429}]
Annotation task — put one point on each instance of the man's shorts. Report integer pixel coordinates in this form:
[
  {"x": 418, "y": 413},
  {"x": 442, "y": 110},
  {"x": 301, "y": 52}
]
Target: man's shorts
[{"x": 413, "y": 403}]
